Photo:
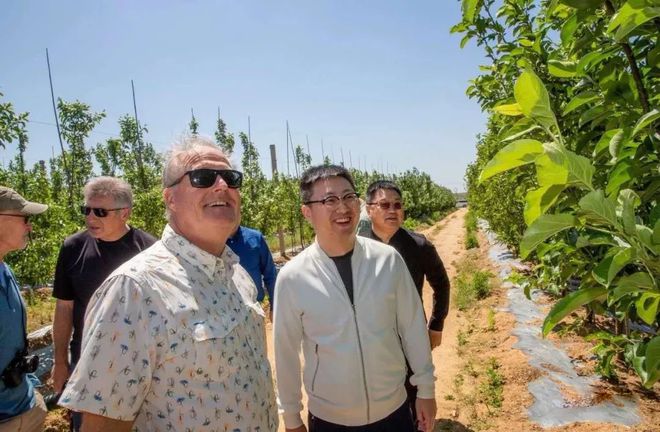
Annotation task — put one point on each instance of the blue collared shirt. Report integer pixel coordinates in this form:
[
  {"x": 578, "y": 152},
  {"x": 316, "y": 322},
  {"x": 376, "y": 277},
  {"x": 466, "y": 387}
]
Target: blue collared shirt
[
  {"x": 255, "y": 257},
  {"x": 17, "y": 400}
]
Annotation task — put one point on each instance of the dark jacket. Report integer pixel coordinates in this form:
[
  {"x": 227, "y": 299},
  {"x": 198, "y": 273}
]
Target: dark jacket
[{"x": 423, "y": 260}]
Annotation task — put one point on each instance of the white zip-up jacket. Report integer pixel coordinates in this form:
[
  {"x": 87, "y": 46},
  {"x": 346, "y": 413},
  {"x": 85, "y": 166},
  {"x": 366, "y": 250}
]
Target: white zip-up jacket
[{"x": 354, "y": 354}]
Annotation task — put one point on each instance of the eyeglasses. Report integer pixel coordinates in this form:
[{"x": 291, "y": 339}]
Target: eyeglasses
[
  {"x": 26, "y": 218},
  {"x": 98, "y": 212},
  {"x": 385, "y": 205},
  {"x": 205, "y": 177},
  {"x": 332, "y": 201}
]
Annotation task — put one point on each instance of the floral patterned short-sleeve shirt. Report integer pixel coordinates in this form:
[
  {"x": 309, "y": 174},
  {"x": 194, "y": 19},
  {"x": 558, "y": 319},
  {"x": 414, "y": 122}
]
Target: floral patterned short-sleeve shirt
[{"x": 175, "y": 340}]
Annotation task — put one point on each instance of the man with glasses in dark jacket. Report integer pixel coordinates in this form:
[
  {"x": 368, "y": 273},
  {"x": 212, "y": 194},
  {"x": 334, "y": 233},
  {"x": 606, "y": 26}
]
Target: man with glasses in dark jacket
[
  {"x": 85, "y": 260},
  {"x": 386, "y": 211}
]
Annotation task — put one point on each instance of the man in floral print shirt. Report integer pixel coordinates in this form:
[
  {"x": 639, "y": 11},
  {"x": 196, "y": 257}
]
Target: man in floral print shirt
[{"x": 174, "y": 338}]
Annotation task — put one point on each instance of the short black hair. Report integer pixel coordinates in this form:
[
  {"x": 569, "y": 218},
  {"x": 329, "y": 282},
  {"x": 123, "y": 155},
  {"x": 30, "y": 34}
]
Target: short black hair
[
  {"x": 321, "y": 172},
  {"x": 381, "y": 184}
]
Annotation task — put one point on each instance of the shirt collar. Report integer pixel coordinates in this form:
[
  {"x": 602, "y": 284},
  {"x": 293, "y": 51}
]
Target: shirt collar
[{"x": 193, "y": 255}]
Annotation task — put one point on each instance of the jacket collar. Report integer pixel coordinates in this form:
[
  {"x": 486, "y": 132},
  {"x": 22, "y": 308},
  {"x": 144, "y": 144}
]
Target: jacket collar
[{"x": 196, "y": 257}]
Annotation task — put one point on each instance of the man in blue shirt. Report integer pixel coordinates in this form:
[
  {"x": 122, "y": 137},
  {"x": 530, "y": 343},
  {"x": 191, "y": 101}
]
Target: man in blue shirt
[
  {"x": 21, "y": 407},
  {"x": 255, "y": 257}
]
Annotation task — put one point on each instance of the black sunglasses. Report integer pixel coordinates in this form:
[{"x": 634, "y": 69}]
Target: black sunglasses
[
  {"x": 384, "y": 205},
  {"x": 98, "y": 212},
  {"x": 26, "y": 218},
  {"x": 205, "y": 177}
]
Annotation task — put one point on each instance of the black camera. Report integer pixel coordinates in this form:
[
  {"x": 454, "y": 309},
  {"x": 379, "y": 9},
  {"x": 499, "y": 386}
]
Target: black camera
[{"x": 21, "y": 364}]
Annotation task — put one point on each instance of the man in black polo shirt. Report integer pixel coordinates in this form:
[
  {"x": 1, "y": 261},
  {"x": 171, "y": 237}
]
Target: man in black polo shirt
[
  {"x": 385, "y": 208},
  {"x": 85, "y": 260}
]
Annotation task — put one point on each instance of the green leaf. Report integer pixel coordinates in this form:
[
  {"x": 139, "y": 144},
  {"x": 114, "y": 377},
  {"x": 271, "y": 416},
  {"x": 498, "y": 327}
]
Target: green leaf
[
  {"x": 550, "y": 170},
  {"x": 580, "y": 169},
  {"x": 543, "y": 228},
  {"x": 647, "y": 307},
  {"x": 597, "y": 209},
  {"x": 570, "y": 303},
  {"x": 630, "y": 16},
  {"x": 591, "y": 60},
  {"x": 645, "y": 235},
  {"x": 522, "y": 126},
  {"x": 655, "y": 239},
  {"x": 582, "y": 4},
  {"x": 594, "y": 113},
  {"x": 653, "y": 57},
  {"x": 631, "y": 284},
  {"x": 620, "y": 175},
  {"x": 469, "y": 8},
  {"x": 579, "y": 100},
  {"x": 508, "y": 110},
  {"x": 562, "y": 68},
  {"x": 538, "y": 201},
  {"x": 604, "y": 141},
  {"x": 568, "y": 30},
  {"x": 465, "y": 40},
  {"x": 615, "y": 260},
  {"x": 652, "y": 362},
  {"x": 628, "y": 201},
  {"x": 646, "y": 120},
  {"x": 517, "y": 153},
  {"x": 533, "y": 98},
  {"x": 595, "y": 239},
  {"x": 617, "y": 142},
  {"x": 521, "y": 133}
]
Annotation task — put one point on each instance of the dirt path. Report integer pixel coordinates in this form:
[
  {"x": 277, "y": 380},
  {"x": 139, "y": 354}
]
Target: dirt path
[{"x": 447, "y": 236}]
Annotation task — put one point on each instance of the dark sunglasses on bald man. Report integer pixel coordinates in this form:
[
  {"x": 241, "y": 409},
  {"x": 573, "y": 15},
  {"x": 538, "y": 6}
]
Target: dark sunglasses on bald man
[
  {"x": 385, "y": 205},
  {"x": 205, "y": 177},
  {"x": 98, "y": 212}
]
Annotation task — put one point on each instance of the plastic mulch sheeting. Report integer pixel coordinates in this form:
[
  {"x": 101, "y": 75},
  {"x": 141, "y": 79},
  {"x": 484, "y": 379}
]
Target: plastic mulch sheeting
[{"x": 551, "y": 408}]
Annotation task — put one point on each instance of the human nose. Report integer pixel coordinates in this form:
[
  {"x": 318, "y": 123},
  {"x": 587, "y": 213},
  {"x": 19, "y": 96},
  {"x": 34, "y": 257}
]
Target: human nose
[{"x": 220, "y": 183}]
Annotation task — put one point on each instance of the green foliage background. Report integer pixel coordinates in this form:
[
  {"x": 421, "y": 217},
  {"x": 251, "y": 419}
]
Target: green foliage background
[
  {"x": 567, "y": 172},
  {"x": 267, "y": 204}
]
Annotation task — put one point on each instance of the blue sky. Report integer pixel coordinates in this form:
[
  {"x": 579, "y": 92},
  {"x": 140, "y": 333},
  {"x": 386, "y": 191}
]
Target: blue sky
[{"x": 383, "y": 81}]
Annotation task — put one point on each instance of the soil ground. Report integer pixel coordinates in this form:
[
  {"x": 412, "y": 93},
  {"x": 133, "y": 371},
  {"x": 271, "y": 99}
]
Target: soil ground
[{"x": 480, "y": 338}]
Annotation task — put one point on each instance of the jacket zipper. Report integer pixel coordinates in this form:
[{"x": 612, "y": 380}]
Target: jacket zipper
[
  {"x": 318, "y": 362},
  {"x": 364, "y": 374}
]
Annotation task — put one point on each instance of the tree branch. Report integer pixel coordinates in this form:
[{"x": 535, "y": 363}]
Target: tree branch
[{"x": 630, "y": 55}]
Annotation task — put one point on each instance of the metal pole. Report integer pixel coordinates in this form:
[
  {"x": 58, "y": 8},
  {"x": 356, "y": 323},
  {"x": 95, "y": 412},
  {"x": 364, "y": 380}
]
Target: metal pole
[
  {"x": 280, "y": 230},
  {"x": 308, "y": 152},
  {"x": 288, "y": 171},
  {"x": 138, "y": 144},
  {"x": 59, "y": 132}
]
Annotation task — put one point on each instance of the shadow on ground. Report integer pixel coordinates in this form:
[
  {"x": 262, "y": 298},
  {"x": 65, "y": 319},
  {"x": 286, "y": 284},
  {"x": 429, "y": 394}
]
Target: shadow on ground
[{"x": 449, "y": 425}]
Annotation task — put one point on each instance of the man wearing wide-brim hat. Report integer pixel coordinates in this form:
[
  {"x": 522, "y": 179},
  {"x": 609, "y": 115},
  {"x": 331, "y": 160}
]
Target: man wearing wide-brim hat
[{"x": 21, "y": 407}]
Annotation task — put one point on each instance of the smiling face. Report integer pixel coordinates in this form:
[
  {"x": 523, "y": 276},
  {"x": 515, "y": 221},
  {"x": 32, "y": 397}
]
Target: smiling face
[
  {"x": 204, "y": 216},
  {"x": 334, "y": 227},
  {"x": 385, "y": 222}
]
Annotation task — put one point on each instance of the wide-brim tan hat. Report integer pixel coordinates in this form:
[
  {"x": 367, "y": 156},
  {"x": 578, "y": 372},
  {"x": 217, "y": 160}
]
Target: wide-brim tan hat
[{"x": 12, "y": 201}]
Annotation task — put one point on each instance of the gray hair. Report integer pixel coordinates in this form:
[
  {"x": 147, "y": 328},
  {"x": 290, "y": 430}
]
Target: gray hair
[
  {"x": 117, "y": 189},
  {"x": 173, "y": 167}
]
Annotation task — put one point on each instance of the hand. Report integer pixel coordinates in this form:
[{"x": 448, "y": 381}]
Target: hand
[
  {"x": 436, "y": 338},
  {"x": 426, "y": 410},
  {"x": 300, "y": 428},
  {"x": 59, "y": 375}
]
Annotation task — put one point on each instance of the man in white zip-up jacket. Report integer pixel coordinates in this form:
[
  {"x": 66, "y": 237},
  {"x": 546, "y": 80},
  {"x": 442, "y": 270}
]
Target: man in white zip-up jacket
[{"x": 352, "y": 305}]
